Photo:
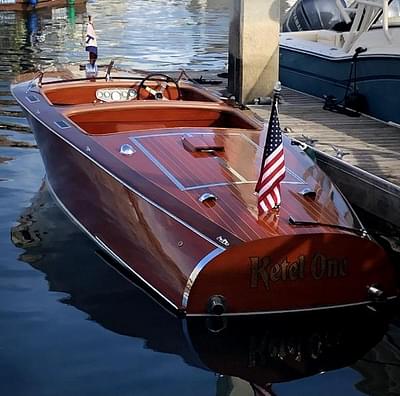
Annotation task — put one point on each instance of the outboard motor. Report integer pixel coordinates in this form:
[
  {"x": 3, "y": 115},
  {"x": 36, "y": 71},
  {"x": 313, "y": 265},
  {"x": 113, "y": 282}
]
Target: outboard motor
[{"x": 315, "y": 15}]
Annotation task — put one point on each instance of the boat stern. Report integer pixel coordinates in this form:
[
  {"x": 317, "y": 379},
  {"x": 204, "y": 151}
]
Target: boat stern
[{"x": 291, "y": 273}]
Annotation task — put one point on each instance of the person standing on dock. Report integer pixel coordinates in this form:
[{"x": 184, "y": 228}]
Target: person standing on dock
[{"x": 91, "y": 47}]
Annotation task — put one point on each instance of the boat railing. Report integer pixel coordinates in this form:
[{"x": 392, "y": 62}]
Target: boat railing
[{"x": 366, "y": 13}]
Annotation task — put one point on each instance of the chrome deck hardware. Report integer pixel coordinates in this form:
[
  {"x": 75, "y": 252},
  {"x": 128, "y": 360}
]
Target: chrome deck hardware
[
  {"x": 308, "y": 193},
  {"x": 108, "y": 71},
  {"x": 127, "y": 149},
  {"x": 207, "y": 198}
]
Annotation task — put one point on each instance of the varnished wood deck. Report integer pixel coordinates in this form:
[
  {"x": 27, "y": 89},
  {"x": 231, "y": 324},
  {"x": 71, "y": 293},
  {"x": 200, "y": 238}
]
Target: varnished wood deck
[{"x": 369, "y": 171}]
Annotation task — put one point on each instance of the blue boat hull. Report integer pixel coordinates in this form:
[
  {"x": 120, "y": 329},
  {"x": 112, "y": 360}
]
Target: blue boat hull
[{"x": 378, "y": 79}]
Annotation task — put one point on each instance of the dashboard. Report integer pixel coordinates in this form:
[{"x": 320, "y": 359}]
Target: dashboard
[{"x": 116, "y": 94}]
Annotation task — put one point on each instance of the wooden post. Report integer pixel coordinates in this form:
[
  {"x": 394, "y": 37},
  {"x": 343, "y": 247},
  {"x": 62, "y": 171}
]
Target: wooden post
[{"x": 253, "y": 48}]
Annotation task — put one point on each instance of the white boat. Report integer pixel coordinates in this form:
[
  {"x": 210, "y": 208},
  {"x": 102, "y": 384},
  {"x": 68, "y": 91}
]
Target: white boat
[{"x": 357, "y": 69}]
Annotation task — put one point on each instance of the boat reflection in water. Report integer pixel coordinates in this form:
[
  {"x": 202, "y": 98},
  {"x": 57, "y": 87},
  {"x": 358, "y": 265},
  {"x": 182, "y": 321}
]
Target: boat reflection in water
[{"x": 250, "y": 354}]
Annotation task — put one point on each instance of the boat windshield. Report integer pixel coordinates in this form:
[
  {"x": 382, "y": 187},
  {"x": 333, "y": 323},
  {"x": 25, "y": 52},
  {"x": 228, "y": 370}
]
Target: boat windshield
[
  {"x": 394, "y": 9},
  {"x": 365, "y": 15},
  {"x": 393, "y": 14}
]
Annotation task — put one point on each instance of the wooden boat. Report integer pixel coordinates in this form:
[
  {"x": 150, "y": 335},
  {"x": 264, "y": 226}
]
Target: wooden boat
[
  {"x": 356, "y": 69},
  {"x": 166, "y": 188},
  {"x": 259, "y": 349}
]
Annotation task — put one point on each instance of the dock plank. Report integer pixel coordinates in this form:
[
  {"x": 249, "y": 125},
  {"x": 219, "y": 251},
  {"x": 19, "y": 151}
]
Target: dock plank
[{"x": 369, "y": 144}]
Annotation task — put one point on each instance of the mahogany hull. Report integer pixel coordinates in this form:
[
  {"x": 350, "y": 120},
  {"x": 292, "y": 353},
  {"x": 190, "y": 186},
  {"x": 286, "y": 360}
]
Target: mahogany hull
[
  {"x": 180, "y": 249},
  {"x": 258, "y": 349},
  {"x": 285, "y": 273},
  {"x": 135, "y": 230}
]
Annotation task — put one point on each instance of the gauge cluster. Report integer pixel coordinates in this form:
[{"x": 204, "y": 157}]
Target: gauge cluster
[{"x": 116, "y": 94}]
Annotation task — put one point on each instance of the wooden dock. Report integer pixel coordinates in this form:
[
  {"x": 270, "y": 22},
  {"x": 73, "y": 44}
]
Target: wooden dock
[{"x": 361, "y": 154}]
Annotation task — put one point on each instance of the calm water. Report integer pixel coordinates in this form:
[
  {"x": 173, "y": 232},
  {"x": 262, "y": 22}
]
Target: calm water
[{"x": 71, "y": 325}]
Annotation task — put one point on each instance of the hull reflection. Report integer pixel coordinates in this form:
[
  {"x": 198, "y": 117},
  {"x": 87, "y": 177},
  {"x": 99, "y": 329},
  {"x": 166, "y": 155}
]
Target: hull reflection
[{"x": 259, "y": 350}]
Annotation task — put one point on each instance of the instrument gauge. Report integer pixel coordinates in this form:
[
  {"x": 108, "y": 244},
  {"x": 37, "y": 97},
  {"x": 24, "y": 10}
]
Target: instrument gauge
[
  {"x": 132, "y": 94},
  {"x": 115, "y": 95}
]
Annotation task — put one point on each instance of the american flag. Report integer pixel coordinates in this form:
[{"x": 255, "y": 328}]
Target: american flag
[{"x": 272, "y": 167}]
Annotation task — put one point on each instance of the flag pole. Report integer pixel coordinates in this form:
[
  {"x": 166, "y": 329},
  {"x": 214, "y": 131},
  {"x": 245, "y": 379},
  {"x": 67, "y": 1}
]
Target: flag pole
[
  {"x": 275, "y": 100},
  {"x": 273, "y": 167}
]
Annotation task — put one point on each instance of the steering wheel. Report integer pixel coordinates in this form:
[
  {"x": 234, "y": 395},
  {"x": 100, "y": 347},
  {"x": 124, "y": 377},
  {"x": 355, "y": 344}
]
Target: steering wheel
[{"x": 159, "y": 89}]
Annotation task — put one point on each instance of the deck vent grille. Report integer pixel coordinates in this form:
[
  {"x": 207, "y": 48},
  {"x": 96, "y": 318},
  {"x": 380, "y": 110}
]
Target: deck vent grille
[
  {"x": 62, "y": 124},
  {"x": 32, "y": 99}
]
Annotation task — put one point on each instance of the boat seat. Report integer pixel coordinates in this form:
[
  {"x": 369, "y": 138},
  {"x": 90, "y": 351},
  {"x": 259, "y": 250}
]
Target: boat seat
[
  {"x": 325, "y": 37},
  {"x": 330, "y": 37},
  {"x": 108, "y": 120},
  {"x": 308, "y": 35}
]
